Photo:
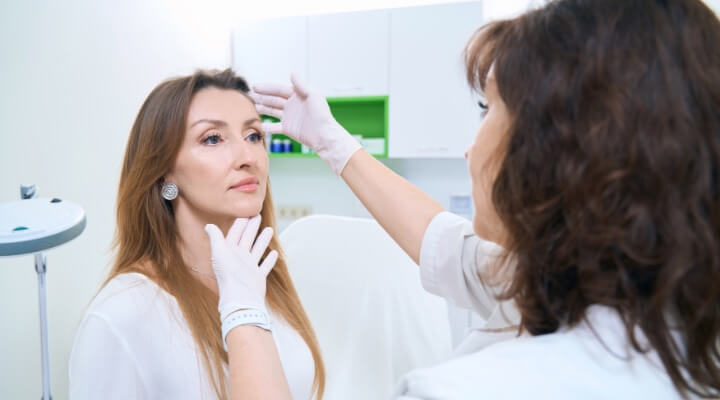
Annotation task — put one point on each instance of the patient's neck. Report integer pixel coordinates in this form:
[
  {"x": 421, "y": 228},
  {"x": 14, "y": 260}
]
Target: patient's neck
[{"x": 194, "y": 244}]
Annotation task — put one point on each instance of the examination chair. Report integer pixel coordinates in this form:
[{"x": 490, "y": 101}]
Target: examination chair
[{"x": 373, "y": 320}]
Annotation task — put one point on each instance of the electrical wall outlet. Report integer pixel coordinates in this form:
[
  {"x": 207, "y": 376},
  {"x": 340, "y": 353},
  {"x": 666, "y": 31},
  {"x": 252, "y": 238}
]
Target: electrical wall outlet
[{"x": 293, "y": 211}]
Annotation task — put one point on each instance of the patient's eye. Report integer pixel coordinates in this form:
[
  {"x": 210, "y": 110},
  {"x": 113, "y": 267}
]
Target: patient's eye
[
  {"x": 212, "y": 139},
  {"x": 255, "y": 137}
]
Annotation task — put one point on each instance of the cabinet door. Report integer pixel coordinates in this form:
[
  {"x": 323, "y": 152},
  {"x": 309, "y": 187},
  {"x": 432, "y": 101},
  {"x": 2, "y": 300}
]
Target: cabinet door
[
  {"x": 432, "y": 112},
  {"x": 348, "y": 53},
  {"x": 268, "y": 51}
]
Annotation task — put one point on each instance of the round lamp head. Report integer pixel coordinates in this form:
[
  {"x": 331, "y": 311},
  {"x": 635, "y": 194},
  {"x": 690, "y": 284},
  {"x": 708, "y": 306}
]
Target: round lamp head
[{"x": 34, "y": 225}]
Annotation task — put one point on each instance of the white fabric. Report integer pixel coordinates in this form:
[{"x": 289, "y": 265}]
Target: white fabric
[
  {"x": 568, "y": 364},
  {"x": 451, "y": 259},
  {"x": 373, "y": 320},
  {"x": 134, "y": 343}
]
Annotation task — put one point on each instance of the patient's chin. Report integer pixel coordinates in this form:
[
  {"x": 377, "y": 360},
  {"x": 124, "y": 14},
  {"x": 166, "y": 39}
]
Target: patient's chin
[{"x": 247, "y": 210}]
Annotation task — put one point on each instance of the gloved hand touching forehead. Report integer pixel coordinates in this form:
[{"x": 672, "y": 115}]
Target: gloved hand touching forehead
[{"x": 305, "y": 116}]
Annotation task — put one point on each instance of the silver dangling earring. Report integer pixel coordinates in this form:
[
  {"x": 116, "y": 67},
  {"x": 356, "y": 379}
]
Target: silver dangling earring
[{"x": 169, "y": 191}]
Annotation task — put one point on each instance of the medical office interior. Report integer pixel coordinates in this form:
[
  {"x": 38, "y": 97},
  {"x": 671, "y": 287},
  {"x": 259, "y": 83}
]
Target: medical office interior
[{"x": 73, "y": 75}]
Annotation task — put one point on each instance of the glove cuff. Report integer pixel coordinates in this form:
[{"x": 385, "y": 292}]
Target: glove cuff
[
  {"x": 337, "y": 151},
  {"x": 249, "y": 316},
  {"x": 227, "y": 309}
]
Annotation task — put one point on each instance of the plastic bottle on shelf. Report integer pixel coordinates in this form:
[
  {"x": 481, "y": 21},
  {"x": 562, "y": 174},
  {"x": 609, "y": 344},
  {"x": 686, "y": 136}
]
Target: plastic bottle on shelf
[{"x": 276, "y": 146}]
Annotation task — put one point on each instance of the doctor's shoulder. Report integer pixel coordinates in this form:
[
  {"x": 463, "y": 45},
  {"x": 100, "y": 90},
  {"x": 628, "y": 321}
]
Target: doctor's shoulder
[{"x": 568, "y": 364}]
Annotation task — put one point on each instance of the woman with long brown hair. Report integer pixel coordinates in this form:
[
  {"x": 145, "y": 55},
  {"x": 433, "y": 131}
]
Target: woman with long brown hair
[
  {"x": 596, "y": 183},
  {"x": 195, "y": 157}
]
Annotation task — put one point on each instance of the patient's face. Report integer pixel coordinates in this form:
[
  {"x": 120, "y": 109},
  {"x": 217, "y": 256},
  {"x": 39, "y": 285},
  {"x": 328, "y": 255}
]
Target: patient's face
[{"x": 222, "y": 167}]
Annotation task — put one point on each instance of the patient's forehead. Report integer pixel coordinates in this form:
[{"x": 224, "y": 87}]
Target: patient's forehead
[{"x": 231, "y": 106}]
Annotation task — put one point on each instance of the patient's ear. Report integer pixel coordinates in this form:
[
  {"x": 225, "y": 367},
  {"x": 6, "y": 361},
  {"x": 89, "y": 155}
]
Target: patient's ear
[{"x": 169, "y": 177}]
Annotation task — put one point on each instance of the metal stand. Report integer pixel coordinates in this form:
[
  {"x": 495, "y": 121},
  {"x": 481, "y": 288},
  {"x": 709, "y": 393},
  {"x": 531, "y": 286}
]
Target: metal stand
[
  {"x": 29, "y": 192},
  {"x": 41, "y": 268}
]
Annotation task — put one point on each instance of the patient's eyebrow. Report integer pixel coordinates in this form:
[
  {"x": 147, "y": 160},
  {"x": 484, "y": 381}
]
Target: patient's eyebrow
[
  {"x": 251, "y": 121},
  {"x": 216, "y": 122},
  {"x": 221, "y": 123}
]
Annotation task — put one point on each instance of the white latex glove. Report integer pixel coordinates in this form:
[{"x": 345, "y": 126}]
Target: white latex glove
[
  {"x": 236, "y": 261},
  {"x": 305, "y": 116}
]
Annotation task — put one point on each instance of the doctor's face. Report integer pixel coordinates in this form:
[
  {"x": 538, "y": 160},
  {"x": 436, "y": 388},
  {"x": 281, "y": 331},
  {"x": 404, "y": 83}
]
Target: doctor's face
[
  {"x": 222, "y": 167},
  {"x": 484, "y": 158}
]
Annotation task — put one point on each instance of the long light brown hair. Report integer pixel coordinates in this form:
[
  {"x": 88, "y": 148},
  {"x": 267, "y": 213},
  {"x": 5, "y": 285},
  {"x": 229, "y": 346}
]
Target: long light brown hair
[
  {"x": 609, "y": 186},
  {"x": 147, "y": 238}
]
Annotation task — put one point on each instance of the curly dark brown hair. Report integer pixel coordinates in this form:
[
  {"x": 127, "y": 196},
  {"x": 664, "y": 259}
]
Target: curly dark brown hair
[{"x": 608, "y": 186}]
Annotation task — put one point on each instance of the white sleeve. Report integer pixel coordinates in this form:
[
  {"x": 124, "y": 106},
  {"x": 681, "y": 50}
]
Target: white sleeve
[
  {"x": 452, "y": 258},
  {"x": 101, "y": 366}
]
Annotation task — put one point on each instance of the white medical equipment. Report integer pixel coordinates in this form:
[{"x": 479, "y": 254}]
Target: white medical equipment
[
  {"x": 373, "y": 319},
  {"x": 31, "y": 226}
]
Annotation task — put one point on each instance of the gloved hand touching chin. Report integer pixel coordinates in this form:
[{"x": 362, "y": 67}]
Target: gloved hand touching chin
[{"x": 240, "y": 271}]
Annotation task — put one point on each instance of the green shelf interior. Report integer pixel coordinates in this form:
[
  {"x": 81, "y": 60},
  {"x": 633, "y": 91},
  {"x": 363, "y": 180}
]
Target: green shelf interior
[{"x": 366, "y": 116}]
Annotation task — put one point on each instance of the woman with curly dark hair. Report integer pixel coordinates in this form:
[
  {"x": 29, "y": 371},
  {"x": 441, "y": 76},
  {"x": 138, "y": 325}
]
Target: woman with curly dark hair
[{"x": 596, "y": 182}]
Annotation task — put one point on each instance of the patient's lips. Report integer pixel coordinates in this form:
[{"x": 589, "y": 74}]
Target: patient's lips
[{"x": 247, "y": 185}]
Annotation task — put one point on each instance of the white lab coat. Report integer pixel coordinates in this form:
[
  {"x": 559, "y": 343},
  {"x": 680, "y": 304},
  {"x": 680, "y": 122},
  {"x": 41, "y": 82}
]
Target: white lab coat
[{"x": 593, "y": 360}]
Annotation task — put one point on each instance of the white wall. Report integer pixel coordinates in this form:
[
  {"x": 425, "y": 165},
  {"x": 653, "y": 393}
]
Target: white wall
[
  {"x": 309, "y": 182},
  {"x": 714, "y": 4}
]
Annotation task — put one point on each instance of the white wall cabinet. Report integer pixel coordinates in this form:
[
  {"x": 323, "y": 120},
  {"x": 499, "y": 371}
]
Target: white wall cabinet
[
  {"x": 268, "y": 51},
  {"x": 348, "y": 54},
  {"x": 413, "y": 55},
  {"x": 432, "y": 112}
]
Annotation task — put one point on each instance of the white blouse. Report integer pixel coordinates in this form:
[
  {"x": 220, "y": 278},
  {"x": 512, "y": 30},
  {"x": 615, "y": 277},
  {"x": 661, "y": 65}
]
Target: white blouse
[
  {"x": 134, "y": 343},
  {"x": 592, "y": 360}
]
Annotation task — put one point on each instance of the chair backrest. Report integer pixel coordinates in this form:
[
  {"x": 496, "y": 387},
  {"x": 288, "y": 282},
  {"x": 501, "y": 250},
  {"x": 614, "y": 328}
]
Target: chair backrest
[{"x": 363, "y": 296}]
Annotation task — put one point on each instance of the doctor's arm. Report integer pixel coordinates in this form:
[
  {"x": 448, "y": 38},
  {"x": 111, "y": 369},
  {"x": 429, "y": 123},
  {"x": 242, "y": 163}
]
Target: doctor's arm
[
  {"x": 451, "y": 255},
  {"x": 401, "y": 208}
]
